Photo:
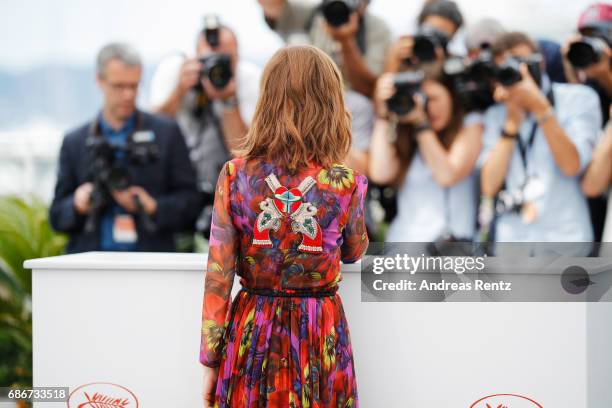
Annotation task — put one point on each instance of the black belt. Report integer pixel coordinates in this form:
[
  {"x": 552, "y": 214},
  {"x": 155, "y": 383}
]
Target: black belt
[{"x": 290, "y": 292}]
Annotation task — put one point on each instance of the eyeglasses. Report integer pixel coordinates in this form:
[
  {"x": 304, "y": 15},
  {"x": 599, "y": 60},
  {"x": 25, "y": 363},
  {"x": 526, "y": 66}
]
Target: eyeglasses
[{"x": 120, "y": 87}]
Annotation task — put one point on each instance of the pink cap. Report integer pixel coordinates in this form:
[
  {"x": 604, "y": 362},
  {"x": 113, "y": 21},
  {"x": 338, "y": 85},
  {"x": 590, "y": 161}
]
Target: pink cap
[{"x": 596, "y": 16}]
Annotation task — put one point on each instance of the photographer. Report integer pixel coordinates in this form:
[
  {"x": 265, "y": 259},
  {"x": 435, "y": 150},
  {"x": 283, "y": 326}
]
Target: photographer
[
  {"x": 598, "y": 176},
  {"x": 438, "y": 22},
  {"x": 586, "y": 58},
  {"x": 213, "y": 99},
  {"x": 538, "y": 140},
  {"x": 125, "y": 182},
  {"x": 587, "y": 55},
  {"x": 429, "y": 156},
  {"x": 482, "y": 34},
  {"x": 355, "y": 39}
]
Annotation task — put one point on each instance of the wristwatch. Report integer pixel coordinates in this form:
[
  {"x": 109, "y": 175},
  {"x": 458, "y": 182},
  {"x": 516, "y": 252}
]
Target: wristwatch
[
  {"x": 506, "y": 134},
  {"x": 421, "y": 127},
  {"x": 230, "y": 103}
]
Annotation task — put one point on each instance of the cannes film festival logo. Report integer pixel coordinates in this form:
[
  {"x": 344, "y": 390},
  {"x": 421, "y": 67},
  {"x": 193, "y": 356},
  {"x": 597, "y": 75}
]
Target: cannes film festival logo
[
  {"x": 505, "y": 401},
  {"x": 102, "y": 395}
]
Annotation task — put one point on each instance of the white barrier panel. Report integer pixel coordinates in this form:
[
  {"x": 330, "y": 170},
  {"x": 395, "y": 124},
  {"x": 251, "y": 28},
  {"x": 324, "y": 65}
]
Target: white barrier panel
[{"x": 133, "y": 320}]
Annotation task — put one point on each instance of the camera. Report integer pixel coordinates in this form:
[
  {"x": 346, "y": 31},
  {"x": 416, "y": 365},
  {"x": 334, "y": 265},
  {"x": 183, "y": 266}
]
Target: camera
[
  {"x": 407, "y": 84},
  {"x": 472, "y": 81},
  {"x": 211, "y": 30},
  {"x": 338, "y": 12},
  {"x": 426, "y": 41},
  {"x": 217, "y": 68},
  {"x": 586, "y": 52},
  {"x": 108, "y": 170},
  {"x": 508, "y": 72}
]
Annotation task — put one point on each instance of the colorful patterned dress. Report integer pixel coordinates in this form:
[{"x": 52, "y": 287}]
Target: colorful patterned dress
[{"x": 284, "y": 235}]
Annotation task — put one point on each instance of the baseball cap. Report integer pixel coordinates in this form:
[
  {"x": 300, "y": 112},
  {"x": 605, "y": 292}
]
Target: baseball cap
[{"x": 597, "y": 16}]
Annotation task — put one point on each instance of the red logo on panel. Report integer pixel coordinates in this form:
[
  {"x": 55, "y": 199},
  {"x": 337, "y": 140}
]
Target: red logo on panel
[
  {"x": 100, "y": 394},
  {"x": 505, "y": 401}
]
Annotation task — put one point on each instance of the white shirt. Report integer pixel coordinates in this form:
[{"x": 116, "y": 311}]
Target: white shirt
[
  {"x": 426, "y": 210},
  {"x": 166, "y": 77},
  {"x": 562, "y": 211}
]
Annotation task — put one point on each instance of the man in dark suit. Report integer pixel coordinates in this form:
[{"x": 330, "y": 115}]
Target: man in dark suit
[{"x": 125, "y": 180}]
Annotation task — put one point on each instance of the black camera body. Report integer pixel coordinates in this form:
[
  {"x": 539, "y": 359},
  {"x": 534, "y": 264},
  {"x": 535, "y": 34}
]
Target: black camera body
[
  {"x": 508, "y": 72},
  {"x": 426, "y": 41},
  {"x": 407, "y": 85},
  {"x": 472, "y": 81},
  {"x": 109, "y": 170},
  {"x": 338, "y": 12},
  {"x": 217, "y": 67},
  {"x": 586, "y": 52}
]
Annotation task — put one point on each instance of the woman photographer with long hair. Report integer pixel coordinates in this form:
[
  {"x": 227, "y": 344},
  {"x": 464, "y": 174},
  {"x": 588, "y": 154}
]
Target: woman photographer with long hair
[{"x": 429, "y": 155}]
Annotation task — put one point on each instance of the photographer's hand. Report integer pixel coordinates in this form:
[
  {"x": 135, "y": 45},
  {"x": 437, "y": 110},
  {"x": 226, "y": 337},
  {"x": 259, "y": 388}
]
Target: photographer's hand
[
  {"x": 189, "y": 76},
  {"x": 82, "y": 198},
  {"x": 125, "y": 198},
  {"x": 384, "y": 91},
  {"x": 399, "y": 53},
  {"x": 219, "y": 94},
  {"x": 418, "y": 115},
  {"x": 149, "y": 203},
  {"x": 528, "y": 94}
]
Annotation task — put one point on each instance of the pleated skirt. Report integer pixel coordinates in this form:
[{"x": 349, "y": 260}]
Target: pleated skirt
[{"x": 286, "y": 352}]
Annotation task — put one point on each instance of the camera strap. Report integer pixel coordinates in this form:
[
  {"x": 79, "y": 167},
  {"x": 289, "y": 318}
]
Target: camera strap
[{"x": 525, "y": 147}]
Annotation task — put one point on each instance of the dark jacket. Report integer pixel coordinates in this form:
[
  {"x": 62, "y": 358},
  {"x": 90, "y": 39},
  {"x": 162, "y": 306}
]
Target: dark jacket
[{"x": 171, "y": 180}]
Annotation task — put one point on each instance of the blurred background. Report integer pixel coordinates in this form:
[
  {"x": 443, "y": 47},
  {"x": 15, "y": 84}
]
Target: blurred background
[{"x": 47, "y": 73}]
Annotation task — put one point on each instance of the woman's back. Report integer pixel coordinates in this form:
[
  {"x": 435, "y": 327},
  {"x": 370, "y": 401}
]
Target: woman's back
[
  {"x": 284, "y": 340},
  {"x": 280, "y": 255}
]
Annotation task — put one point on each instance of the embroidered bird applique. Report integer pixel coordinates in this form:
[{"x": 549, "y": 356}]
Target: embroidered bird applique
[{"x": 288, "y": 203}]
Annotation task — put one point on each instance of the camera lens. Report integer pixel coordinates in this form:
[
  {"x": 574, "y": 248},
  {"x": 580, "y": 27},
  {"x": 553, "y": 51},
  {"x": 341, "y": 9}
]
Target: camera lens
[
  {"x": 336, "y": 12},
  {"x": 426, "y": 40},
  {"x": 218, "y": 69},
  {"x": 424, "y": 49},
  {"x": 508, "y": 76},
  {"x": 582, "y": 54}
]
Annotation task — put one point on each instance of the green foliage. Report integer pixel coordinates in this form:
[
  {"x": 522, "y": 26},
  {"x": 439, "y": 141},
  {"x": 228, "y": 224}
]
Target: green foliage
[{"x": 25, "y": 233}]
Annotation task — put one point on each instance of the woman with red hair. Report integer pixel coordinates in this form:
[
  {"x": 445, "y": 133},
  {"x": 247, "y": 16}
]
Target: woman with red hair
[{"x": 286, "y": 212}]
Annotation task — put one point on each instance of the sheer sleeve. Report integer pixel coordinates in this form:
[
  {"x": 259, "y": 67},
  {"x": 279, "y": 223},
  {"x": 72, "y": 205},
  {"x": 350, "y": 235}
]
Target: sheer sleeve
[
  {"x": 355, "y": 235},
  {"x": 220, "y": 270}
]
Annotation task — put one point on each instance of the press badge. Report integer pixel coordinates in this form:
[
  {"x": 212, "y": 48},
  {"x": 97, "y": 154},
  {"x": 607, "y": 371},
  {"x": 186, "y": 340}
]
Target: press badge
[
  {"x": 124, "y": 229},
  {"x": 143, "y": 136}
]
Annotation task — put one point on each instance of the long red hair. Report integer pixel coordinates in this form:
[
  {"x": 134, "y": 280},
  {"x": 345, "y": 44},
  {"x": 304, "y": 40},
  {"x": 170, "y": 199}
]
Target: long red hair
[{"x": 300, "y": 114}]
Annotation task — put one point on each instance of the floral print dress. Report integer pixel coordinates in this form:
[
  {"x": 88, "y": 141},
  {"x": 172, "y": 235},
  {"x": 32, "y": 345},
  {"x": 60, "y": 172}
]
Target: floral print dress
[{"x": 282, "y": 351}]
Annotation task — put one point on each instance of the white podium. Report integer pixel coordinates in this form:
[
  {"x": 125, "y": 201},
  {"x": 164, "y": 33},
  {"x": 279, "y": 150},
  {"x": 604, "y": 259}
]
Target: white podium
[{"x": 133, "y": 319}]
